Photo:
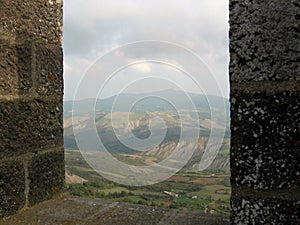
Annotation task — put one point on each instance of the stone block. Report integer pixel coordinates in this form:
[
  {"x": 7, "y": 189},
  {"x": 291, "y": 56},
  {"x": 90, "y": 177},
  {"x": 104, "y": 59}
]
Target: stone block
[
  {"x": 265, "y": 139},
  {"x": 272, "y": 211},
  {"x": 46, "y": 175},
  {"x": 49, "y": 69},
  {"x": 27, "y": 126},
  {"x": 264, "y": 40},
  {"x": 15, "y": 65},
  {"x": 42, "y": 18},
  {"x": 12, "y": 187}
]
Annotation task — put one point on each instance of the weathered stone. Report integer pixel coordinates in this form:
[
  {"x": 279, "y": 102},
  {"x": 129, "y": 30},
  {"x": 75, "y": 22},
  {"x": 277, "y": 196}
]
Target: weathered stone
[
  {"x": 42, "y": 19},
  {"x": 46, "y": 175},
  {"x": 264, "y": 40},
  {"x": 30, "y": 102},
  {"x": 49, "y": 69},
  {"x": 27, "y": 126},
  {"x": 272, "y": 211},
  {"x": 27, "y": 62},
  {"x": 265, "y": 139},
  {"x": 15, "y": 65},
  {"x": 81, "y": 211},
  {"x": 12, "y": 187},
  {"x": 265, "y": 115}
]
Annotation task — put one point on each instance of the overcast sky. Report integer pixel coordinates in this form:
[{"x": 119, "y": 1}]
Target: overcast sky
[{"x": 94, "y": 28}]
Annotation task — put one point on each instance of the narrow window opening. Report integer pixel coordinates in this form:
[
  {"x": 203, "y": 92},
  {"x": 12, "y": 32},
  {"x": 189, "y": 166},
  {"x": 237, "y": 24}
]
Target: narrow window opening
[{"x": 142, "y": 80}]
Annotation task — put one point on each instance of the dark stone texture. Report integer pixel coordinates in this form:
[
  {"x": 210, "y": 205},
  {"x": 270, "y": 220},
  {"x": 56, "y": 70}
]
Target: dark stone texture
[
  {"x": 264, "y": 40},
  {"x": 265, "y": 115},
  {"x": 24, "y": 61},
  {"x": 49, "y": 69},
  {"x": 9, "y": 79},
  {"x": 12, "y": 187},
  {"x": 46, "y": 174},
  {"x": 42, "y": 18},
  {"x": 271, "y": 211},
  {"x": 31, "y": 90},
  {"x": 27, "y": 126},
  {"x": 15, "y": 65},
  {"x": 265, "y": 139}
]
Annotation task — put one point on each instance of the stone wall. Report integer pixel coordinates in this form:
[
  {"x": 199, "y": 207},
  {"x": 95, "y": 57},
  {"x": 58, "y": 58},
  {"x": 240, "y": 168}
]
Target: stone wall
[
  {"x": 265, "y": 115},
  {"x": 31, "y": 91},
  {"x": 265, "y": 111}
]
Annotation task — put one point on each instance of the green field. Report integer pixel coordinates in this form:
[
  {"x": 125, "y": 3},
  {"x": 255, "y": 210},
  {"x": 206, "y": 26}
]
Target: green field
[{"x": 196, "y": 190}]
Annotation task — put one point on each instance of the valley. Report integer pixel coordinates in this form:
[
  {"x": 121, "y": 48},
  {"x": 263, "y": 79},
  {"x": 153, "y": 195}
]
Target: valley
[
  {"x": 189, "y": 189},
  {"x": 197, "y": 191}
]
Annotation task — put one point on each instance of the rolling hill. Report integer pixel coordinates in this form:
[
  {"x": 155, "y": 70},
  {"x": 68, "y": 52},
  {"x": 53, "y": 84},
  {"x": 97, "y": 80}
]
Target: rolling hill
[{"x": 140, "y": 116}]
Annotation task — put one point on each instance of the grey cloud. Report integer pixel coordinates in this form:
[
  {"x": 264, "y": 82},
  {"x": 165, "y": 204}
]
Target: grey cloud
[
  {"x": 93, "y": 27},
  {"x": 98, "y": 24}
]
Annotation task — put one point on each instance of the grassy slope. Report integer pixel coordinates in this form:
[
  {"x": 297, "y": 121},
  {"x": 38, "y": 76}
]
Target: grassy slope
[{"x": 211, "y": 189}]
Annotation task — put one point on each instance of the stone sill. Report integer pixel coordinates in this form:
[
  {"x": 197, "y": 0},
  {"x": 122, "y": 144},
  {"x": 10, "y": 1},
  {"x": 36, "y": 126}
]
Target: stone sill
[{"x": 68, "y": 210}]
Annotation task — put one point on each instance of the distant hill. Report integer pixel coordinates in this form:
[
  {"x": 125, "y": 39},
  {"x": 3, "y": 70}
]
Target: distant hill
[
  {"x": 150, "y": 103},
  {"x": 198, "y": 116}
]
